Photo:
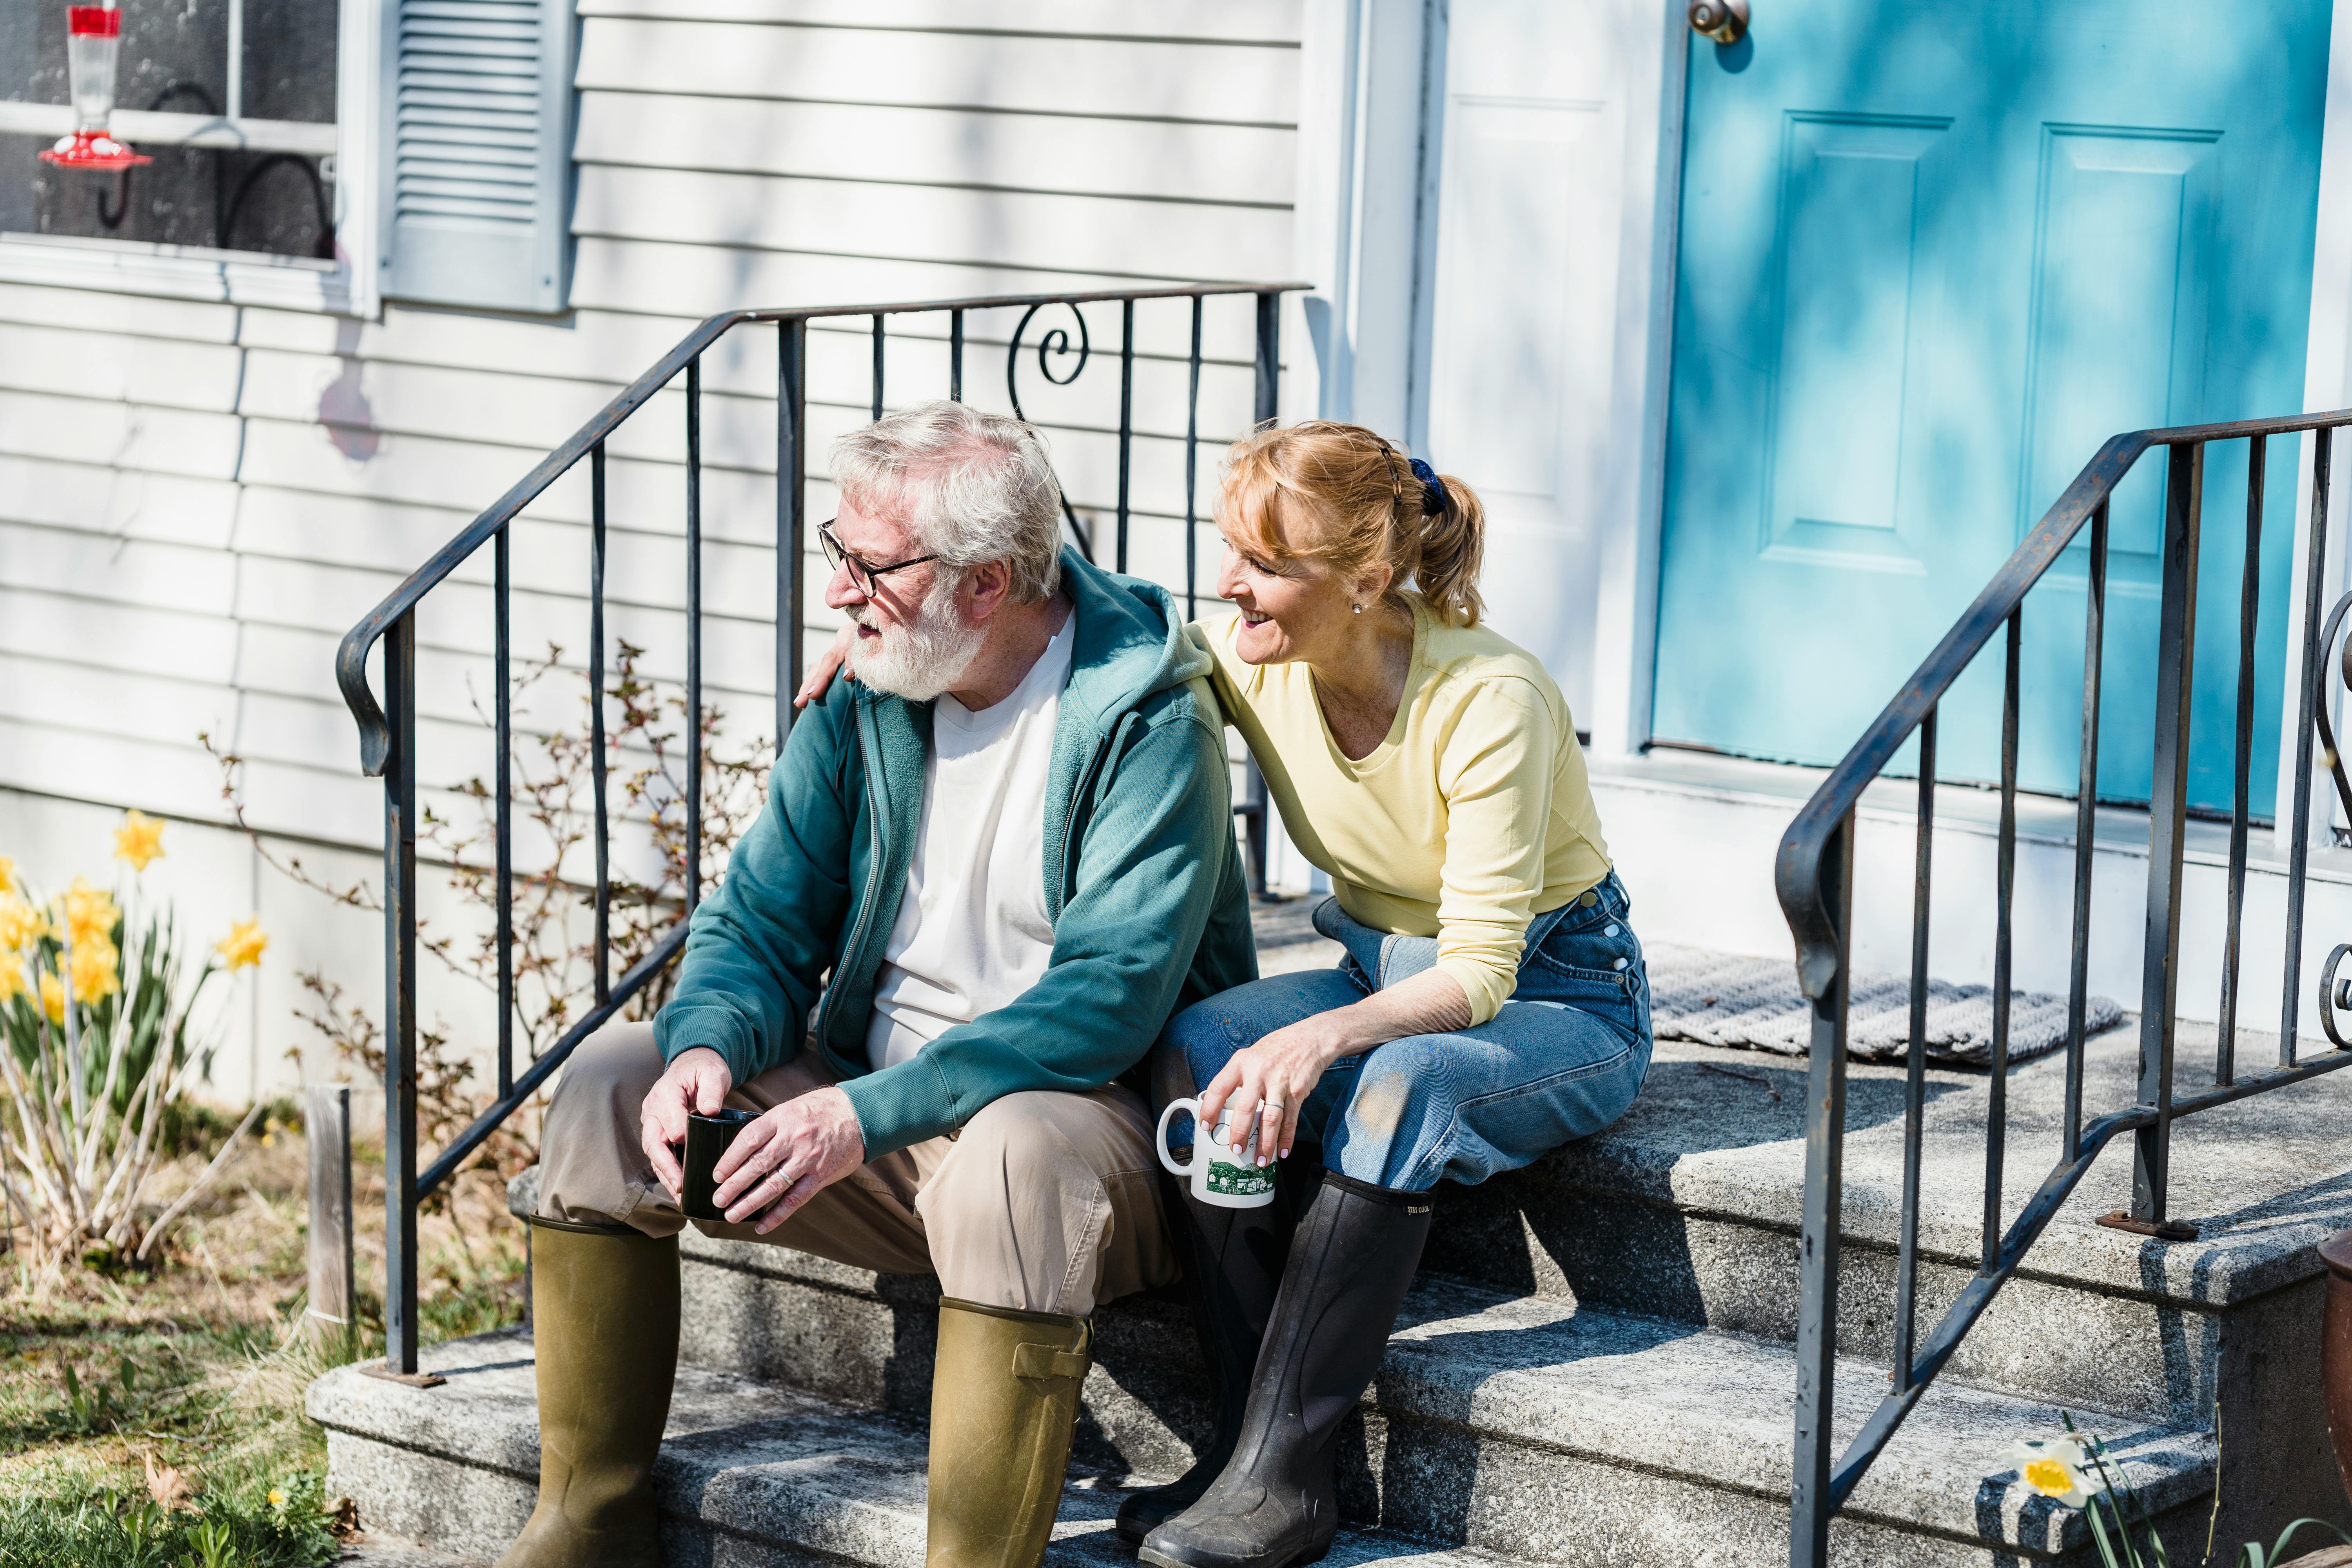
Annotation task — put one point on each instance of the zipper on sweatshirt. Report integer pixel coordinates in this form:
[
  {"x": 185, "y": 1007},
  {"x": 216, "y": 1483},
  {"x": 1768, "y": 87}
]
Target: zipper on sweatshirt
[{"x": 857, "y": 934}]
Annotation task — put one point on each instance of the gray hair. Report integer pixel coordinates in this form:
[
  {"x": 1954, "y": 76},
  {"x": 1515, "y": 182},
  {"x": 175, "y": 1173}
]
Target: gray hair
[{"x": 970, "y": 487}]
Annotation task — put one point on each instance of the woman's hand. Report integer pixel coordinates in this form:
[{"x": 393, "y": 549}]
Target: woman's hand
[
  {"x": 1271, "y": 1081},
  {"x": 1284, "y": 1067},
  {"x": 820, "y": 679}
]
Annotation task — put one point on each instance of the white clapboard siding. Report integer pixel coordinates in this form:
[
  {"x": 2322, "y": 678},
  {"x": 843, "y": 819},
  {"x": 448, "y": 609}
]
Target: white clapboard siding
[
  {"x": 1026, "y": 73},
  {"x": 102, "y": 634},
  {"x": 945, "y": 223},
  {"x": 119, "y": 503},
  {"x": 196, "y": 500},
  {"x": 86, "y": 311},
  {"x": 118, "y": 365},
  {"x": 1274, "y": 22},
  {"x": 1186, "y": 162}
]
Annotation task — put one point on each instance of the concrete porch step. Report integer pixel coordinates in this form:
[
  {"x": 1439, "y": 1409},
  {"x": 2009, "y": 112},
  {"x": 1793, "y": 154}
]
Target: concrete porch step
[
  {"x": 1689, "y": 1208},
  {"x": 1520, "y": 1429},
  {"x": 750, "y": 1473}
]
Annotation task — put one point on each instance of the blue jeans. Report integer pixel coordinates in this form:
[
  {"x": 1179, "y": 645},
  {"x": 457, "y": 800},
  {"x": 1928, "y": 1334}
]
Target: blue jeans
[{"x": 1561, "y": 1060}]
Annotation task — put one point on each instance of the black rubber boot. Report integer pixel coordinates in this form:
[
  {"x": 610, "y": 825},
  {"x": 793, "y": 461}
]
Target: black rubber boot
[
  {"x": 1237, "y": 1261},
  {"x": 1275, "y": 1504}
]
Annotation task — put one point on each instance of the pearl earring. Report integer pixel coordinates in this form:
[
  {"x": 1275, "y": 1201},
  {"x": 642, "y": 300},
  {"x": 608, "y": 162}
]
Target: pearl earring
[{"x": 1358, "y": 608}]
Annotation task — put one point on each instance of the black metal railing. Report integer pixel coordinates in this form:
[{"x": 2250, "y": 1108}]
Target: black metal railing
[
  {"x": 1816, "y": 878},
  {"x": 388, "y": 729}
]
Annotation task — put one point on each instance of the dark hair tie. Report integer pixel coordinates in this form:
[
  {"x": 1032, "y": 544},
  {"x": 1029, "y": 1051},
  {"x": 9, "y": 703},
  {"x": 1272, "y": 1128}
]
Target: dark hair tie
[{"x": 1433, "y": 487}]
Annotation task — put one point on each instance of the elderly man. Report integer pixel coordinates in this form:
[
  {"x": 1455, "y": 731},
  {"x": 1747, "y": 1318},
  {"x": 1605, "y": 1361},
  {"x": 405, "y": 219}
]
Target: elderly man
[{"x": 987, "y": 872}]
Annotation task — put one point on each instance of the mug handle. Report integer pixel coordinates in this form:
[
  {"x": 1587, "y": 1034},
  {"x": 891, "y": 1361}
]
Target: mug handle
[{"x": 1160, "y": 1139}]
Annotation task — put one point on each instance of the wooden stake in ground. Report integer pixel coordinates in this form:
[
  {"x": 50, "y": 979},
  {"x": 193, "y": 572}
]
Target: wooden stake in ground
[{"x": 326, "y": 1124}]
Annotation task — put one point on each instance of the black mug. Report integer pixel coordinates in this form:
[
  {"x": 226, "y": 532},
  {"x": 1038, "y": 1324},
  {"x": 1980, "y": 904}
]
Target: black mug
[{"x": 706, "y": 1138}]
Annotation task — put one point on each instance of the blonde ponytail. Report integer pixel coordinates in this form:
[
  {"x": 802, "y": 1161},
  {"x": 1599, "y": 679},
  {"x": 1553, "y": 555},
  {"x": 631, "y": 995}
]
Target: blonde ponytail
[
  {"x": 1343, "y": 495},
  {"x": 1451, "y": 550}
]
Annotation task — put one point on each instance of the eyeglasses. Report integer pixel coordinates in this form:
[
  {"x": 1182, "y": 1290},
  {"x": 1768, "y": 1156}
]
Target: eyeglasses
[{"x": 862, "y": 573}]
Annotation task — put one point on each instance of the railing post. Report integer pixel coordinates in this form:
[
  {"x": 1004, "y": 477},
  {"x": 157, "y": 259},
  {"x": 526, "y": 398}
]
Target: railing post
[
  {"x": 1125, "y": 423},
  {"x": 2225, "y": 1065},
  {"x": 792, "y": 493},
  {"x": 2167, "y": 822},
  {"x": 1811, "y": 1501},
  {"x": 2086, "y": 822},
  {"x": 2311, "y": 694},
  {"x": 694, "y": 631},
  {"x": 503, "y": 674},
  {"x": 1269, "y": 357},
  {"x": 598, "y": 783},
  {"x": 400, "y": 1000},
  {"x": 1270, "y": 387}
]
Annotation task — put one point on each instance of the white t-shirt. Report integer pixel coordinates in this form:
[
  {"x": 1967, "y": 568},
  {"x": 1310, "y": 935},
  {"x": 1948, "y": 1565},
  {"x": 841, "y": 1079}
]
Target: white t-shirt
[{"x": 972, "y": 930}]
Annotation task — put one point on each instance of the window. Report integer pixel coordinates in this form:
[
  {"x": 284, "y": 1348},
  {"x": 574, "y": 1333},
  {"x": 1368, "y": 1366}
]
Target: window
[{"x": 264, "y": 119}]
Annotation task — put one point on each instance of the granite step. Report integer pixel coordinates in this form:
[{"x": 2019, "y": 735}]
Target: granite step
[
  {"x": 1689, "y": 1208},
  {"x": 1520, "y": 1429}
]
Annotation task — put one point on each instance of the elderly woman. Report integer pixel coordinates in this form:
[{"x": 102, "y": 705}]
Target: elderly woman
[{"x": 1492, "y": 1004}]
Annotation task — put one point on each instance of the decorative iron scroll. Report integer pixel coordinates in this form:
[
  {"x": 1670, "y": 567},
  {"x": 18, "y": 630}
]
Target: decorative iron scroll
[{"x": 1057, "y": 341}]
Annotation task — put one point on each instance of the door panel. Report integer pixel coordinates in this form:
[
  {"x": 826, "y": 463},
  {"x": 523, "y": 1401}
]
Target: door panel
[
  {"x": 2123, "y": 268},
  {"x": 1850, "y": 187},
  {"x": 1524, "y": 308},
  {"x": 1930, "y": 256}
]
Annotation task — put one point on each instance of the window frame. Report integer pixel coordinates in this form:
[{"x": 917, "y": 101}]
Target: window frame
[{"x": 348, "y": 286}]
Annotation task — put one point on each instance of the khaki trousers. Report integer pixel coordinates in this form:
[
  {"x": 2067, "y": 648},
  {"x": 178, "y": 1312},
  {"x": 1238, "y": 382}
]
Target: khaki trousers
[{"x": 1044, "y": 1202}]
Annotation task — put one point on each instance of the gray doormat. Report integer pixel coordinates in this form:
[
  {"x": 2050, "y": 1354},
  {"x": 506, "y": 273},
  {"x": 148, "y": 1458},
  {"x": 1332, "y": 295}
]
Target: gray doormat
[{"x": 1722, "y": 999}]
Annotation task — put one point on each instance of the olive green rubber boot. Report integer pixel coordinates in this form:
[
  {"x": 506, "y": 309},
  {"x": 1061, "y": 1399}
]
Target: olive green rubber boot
[
  {"x": 604, "y": 1308},
  {"x": 1004, "y": 1400}
]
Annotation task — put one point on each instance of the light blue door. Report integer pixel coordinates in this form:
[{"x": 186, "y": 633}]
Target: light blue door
[{"x": 1931, "y": 254}]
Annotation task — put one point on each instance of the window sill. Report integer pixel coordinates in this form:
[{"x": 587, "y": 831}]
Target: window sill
[
  {"x": 181, "y": 272},
  {"x": 140, "y": 127}
]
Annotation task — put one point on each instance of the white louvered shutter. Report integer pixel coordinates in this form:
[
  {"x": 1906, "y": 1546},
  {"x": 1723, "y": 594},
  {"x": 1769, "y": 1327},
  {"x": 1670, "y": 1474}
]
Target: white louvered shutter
[{"x": 479, "y": 115}]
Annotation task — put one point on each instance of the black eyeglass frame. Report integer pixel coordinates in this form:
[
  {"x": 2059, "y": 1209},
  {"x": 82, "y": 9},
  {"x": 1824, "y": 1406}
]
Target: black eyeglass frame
[{"x": 862, "y": 572}]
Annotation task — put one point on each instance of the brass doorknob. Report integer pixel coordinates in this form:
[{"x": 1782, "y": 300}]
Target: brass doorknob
[{"x": 1725, "y": 21}]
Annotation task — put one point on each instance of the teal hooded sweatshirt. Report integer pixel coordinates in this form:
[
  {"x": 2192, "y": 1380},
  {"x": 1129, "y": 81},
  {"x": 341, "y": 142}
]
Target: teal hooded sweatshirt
[{"x": 1143, "y": 883}]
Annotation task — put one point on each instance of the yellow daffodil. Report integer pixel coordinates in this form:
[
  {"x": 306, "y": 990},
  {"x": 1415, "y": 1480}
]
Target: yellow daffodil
[
  {"x": 12, "y": 976},
  {"x": 89, "y": 912},
  {"x": 53, "y": 998},
  {"x": 138, "y": 840},
  {"x": 7, "y": 875},
  {"x": 2053, "y": 1467},
  {"x": 20, "y": 923},
  {"x": 97, "y": 971},
  {"x": 241, "y": 948}
]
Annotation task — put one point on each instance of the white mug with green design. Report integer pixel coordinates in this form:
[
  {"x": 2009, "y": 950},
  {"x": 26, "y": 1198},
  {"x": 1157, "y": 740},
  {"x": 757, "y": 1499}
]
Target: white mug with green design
[{"x": 1219, "y": 1175}]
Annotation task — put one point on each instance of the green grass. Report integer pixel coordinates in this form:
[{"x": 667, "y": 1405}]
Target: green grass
[
  {"x": 111, "y": 1529},
  {"x": 153, "y": 1417}
]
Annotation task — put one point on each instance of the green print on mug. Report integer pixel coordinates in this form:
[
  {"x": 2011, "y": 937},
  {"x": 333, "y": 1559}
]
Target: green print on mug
[
  {"x": 1219, "y": 1174},
  {"x": 1240, "y": 1181}
]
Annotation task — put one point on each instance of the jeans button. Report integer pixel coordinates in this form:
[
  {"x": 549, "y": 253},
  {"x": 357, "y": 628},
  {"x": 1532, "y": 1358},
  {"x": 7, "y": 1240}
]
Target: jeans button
[
  {"x": 1612, "y": 931},
  {"x": 1589, "y": 898}
]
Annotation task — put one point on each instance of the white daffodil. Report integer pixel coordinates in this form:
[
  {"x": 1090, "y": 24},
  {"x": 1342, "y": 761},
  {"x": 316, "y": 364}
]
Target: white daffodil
[{"x": 2053, "y": 1467}]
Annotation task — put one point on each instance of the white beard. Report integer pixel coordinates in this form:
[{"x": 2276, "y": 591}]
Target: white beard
[{"x": 922, "y": 657}]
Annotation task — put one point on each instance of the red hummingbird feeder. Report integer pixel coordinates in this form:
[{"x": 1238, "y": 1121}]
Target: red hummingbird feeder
[{"x": 93, "y": 46}]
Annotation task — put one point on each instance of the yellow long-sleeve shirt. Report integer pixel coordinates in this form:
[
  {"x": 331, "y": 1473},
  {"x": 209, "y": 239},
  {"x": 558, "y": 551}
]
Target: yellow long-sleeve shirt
[{"x": 1470, "y": 817}]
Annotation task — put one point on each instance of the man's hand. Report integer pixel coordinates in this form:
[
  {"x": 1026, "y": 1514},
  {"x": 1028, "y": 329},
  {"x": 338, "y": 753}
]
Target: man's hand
[
  {"x": 787, "y": 1157},
  {"x": 695, "y": 1083}
]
